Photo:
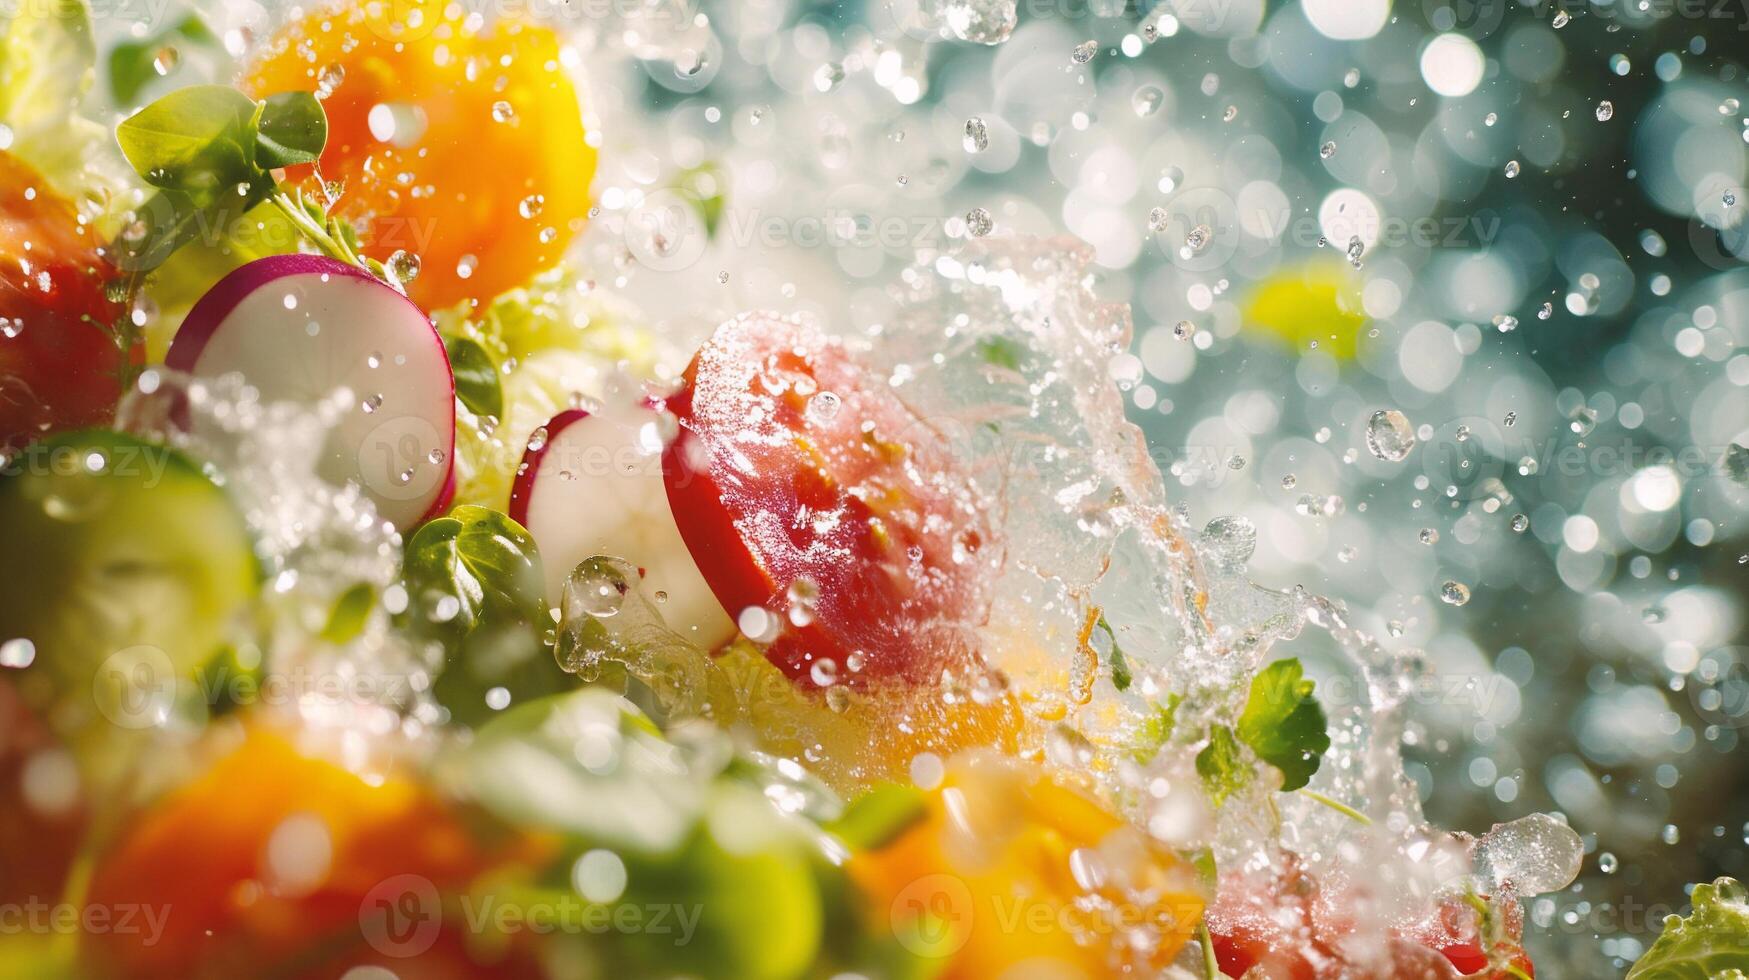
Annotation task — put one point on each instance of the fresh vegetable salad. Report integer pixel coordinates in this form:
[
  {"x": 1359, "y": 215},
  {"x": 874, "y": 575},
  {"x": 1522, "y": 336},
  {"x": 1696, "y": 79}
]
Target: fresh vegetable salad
[{"x": 414, "y": 569}]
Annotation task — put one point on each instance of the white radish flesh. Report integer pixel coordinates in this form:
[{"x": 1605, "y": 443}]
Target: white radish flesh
[
  {"x": 592, "y": 485},
  {"x": 299, "y": 327}
]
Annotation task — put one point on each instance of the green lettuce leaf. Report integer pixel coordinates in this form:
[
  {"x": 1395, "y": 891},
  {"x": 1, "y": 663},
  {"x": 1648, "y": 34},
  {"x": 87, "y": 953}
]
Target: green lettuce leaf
[
  {"x": 1222, "y": 765},
  {"x": 1712, "y": 943}
]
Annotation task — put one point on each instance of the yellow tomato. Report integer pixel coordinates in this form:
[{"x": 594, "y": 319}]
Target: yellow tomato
[
  {"x": 460, "y": 143},
  {"x": 1014, "y": 873}
]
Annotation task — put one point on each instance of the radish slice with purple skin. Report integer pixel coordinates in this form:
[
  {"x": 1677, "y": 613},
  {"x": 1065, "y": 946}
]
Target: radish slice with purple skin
[
  {"x": 300, "y": 327},
  {"x": 591, "y": 484}
]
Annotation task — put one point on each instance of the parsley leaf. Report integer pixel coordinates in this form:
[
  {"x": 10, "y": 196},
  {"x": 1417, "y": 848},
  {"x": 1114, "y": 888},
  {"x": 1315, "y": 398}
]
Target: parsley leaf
[
  {"x": 1284, "y": 724},
  {"x": 1222, "y": 765}
]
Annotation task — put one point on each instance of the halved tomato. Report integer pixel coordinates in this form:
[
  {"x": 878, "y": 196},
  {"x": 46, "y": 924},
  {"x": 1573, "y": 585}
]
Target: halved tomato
[{"x": 805, "y": 488}]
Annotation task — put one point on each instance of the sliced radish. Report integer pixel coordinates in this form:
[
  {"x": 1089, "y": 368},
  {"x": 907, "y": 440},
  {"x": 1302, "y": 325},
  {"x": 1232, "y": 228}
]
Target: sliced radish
[
  {"x": 591, "y": 484},
  {"x": 809, "y": 493},
  {"x": 298, "y": 327}
]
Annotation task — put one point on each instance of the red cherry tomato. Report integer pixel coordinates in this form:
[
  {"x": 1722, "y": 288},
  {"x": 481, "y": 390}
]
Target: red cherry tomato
[
  {"x": 60, "y": 366},
  {"x": 803, "y": 485}
]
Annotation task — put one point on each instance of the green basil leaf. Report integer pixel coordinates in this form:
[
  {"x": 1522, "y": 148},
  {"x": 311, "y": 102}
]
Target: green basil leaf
[
  {"x": 1121, "y": 678},
  {"x": 132, "y": 63},
  {"x": 476, "y": 377},
  {"x": 476, "y": 589},
  {"x": 293, "y": 129},
  {"x": 1222, "y": 765},
  {"x": 1711, "y": 943},
  {"x": 198, "y": 140},
  {"x": 172, "y": 219},
  {"x": 1284, "y": 724}
]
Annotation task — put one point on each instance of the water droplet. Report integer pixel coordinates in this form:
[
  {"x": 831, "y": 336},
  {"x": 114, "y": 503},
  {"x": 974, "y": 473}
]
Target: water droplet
[
  {"x": 1560, "y": 20},
  {"x": 11, "y": 326},
  {"x": 1198, "y": 238},
  {"x": 1505, "y": 322},
  {"x": 329, "y": 79},
  {"x": 977, "y": 138},
  {"x": 1184, "y": 330},
  {"x": 1231, "y": 113},
  {"x": 1537, "y": 854},
  {"x": 1389, "y": 436},
  {"x": 1490, "y": 119},
  {"x": 1606, "y": 863},
  {"x": 1328, "y": 150},
  {"x": 503, "y": 112},
  {"x": 802, "y": 597},
  {"x": 1454, "y": 593},
  {"x": 531, "y": 206},
  {"x": 1230, "y": 541},
  {"x": 1084, "y": 52},
  {"x": 1429, "y": 536},
  {"x": 403, "y": 265},
  {"x": 1147, "y": 100},
  {"x": 823, "y": 407},
  {"x": 1605, "y": 110},
  {"x": 1520, "y": 523},
  {"x": 979, "y": 223},
  {"x": 824, "y": 672},
  {"x": 1670, "y": 834},
  {"x": 981, "y": 21},
  {"x": 165, "y": 60},
  {"x": 1511, "y": 169},
  {"x": 827, "y": 76},
  {"x": 596, "y": 591}
]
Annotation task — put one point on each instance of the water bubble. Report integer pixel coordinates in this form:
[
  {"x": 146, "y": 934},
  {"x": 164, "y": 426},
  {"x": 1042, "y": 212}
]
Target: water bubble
[
  {"x": 165, "y": 60},
  {"x": 823, "y": 407},
  {"x": 503, "y": 112},
  {"x": 1560, "y": 20},
  {"x": 803, "y": 597},
  {"x": 1606, "y": 863},
  {"x": 1537, "y": 854},
  {"x": 1389, "y": 436},
  {"x": 1429, "y": 536},
  {"x": 1505, "y": 322},
  {"x": 11, "y": 326},
  {"x": 1289, "y": 481},
  {"x": 979, "y": 222},
  {"x": 977, "y": 138},
  {"x": 1328, "y": 150},
  {"x": 1490, "y": 119},
  {"x": 1605, "y": 110},
  {"x": 329, "y": 79},
  {"x": 1520, "y": 523},
  {"x": 1184, "y": 330},
  {"x": 597, "y": 591},
  {"x": 1197, "y": 239},
  {"x": 1147, "y": 100},
  {"x": 1454, "y": 593},
  {"x": 1670, "y": 834},
  {"x": 1084, "y": 52},
  {"x": 1511, "y": 169},
  {"x": 1230, "y": 113},
  {"x": 981, "y": 21},
  {"x": 531, "y": 206},
  {"x": 403, "y": 265},
  {"x": 824, "y": 672},
  {"x": 827, "y": 76},
  {"x": 1230, "y": 541}
]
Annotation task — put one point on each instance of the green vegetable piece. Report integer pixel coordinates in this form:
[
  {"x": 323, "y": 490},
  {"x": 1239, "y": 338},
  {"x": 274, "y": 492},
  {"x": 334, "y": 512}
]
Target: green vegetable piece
[
  {"x": 198, "y": 140},
  {"x": 1121, "y": 678},
  {"x": 1284, "y": 724},
  {"x": 1154, "y": 730},
  {"x": 488, "y": 566},
  {"x": 351, "y": 611},
  {"x": 1222, "y": 765},
  {"x": 47, "y": 62},
  {"x": 1712, "y": 943},
  {"x": 476, "y": 377},
  {"x": 1001, "y": 352},
  {"x": 292, "y": 130},
  {"x": 879, "y": 816}
]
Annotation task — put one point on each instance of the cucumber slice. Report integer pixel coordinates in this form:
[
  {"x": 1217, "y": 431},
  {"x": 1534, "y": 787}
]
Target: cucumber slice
[{"x": 127, "y": 566}]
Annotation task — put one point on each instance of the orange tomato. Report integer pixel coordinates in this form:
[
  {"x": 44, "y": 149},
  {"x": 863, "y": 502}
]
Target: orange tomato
[
  {"x": 460, "y": 143},
  {"x": 1012, "y": 872},
  {"x": 278, "y": 862},
  {"x": 60, "y": 365}
]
